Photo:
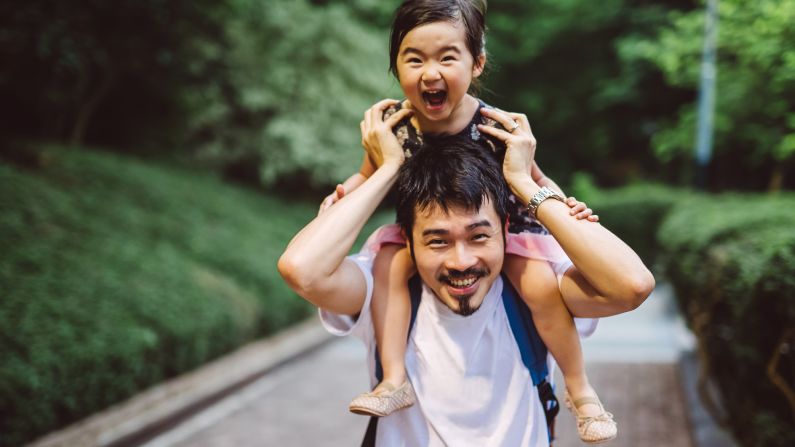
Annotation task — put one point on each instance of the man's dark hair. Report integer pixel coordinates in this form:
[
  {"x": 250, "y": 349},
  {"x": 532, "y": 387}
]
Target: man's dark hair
[
  {"x": 413, "y": 13},
  {"x": 449, "y": 171}
]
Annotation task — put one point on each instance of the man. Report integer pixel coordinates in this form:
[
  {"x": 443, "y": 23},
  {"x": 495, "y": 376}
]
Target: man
[{"x": 472, "y": 387}]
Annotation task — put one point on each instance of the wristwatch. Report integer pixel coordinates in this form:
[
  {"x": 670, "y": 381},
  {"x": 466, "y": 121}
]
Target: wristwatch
[{"x": 542, "y": 194}]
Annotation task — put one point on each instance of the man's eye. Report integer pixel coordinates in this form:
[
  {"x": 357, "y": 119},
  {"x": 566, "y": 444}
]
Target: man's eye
[
  {"x": 480, "y": 237},
  {"x": 436, "y": 242}
]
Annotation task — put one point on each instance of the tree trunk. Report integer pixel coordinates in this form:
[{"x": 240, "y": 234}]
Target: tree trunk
[
  {"x": 86, "y": 110},
  {"x": 776, "y": 179}
]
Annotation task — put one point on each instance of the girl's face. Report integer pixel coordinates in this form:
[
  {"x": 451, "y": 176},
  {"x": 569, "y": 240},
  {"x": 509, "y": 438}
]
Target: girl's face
[{"x": 435, "y": 69}]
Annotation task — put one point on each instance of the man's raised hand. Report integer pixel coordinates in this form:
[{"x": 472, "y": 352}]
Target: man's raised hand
[
  {"x": 378, "y": 140},
  {"x": 520, "y": 143}
]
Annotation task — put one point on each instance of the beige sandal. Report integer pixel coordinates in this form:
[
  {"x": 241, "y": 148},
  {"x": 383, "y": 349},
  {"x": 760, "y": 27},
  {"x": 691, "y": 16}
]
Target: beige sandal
[
  {"x": 593, "y": 429},
  {"x": 383, "y": 403}
]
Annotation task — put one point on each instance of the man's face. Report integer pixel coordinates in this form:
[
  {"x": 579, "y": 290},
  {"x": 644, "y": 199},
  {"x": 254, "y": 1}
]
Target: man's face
[{"x": 459, "y": 253}]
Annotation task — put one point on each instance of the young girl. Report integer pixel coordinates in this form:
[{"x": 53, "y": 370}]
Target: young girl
[{"x": 437, "y": 52}]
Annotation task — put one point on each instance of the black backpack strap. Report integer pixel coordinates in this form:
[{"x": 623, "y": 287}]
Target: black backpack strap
[{"x": 369, "y": 435}]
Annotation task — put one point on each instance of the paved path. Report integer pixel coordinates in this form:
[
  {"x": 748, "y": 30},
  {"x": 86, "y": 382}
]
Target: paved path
[{"x": 631, "y": 362}]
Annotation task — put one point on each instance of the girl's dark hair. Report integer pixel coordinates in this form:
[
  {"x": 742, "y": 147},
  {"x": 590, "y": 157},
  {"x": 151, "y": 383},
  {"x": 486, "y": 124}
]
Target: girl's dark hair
[
  {"x": 414, "y": 13},
  {"x": 449, "y": 171}
]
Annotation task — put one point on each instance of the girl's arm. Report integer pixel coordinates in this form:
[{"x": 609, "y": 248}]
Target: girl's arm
[
  {"x": 542, "y": 180},
  {"x": 349, "y": 185}
]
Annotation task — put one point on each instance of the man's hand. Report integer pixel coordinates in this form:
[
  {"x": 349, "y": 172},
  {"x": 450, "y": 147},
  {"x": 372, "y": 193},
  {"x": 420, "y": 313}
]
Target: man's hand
[
  {"x": 378, "y": 140},
  {"x": 519, "y": 142}
]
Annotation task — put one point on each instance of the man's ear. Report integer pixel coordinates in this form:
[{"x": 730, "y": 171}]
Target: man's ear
[{"x": 478, "y": 65}]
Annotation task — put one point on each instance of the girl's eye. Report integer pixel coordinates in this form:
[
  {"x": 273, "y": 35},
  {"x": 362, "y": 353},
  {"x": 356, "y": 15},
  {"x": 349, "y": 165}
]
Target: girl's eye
[
  {"x": 448, "y": 58},
  {"x": 414, "y": 60}
]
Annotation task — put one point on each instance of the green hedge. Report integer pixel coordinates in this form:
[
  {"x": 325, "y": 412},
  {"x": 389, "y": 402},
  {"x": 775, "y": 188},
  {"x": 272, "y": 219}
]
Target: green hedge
[
  {"x": 634, "y": 213},
  {"x": 116, "y": 275},
  {"x": 731, "y": 260}
]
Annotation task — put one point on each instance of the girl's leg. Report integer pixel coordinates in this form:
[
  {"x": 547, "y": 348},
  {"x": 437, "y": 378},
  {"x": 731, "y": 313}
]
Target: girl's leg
[
  {"x": 538, "y": 286},
  {"x": 391, "y": 310}
]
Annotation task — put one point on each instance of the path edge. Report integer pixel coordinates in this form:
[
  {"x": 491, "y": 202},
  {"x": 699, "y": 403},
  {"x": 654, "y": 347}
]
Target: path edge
[{"x": 137, "y": 418}]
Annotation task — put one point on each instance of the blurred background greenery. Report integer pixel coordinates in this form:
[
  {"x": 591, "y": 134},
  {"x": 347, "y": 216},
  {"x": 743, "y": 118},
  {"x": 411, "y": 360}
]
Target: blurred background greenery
[{"x": 157, "y": 155}]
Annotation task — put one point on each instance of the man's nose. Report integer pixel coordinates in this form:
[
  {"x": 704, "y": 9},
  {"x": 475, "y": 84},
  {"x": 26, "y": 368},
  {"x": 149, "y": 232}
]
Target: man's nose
[{"x": 460, "y": 258}]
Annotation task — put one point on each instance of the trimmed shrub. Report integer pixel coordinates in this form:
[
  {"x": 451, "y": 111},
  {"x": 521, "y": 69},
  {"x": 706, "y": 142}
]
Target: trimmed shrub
[
  {"x": 116, "y": 275},
  {"x": 633, "y": 213},
  {"x": 731, "y": 260}
]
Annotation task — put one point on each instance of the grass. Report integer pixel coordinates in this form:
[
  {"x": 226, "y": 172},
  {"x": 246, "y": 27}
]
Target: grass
[{"x": 116, "y": 274}]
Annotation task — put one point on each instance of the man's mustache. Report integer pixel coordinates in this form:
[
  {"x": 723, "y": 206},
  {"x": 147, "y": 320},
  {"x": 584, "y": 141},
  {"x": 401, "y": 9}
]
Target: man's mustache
[{"x": 457, "y": 274}]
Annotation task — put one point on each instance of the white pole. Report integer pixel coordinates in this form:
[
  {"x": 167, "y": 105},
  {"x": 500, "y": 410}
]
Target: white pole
[{"x": 706, "y": 97}]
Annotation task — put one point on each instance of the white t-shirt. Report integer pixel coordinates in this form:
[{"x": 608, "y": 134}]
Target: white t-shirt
[{"x": 472, "y": 387}]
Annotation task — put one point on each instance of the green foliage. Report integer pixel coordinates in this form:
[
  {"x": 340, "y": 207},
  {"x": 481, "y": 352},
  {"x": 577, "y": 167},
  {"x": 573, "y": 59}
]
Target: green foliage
[
  {"x": 633, "y": 213},
  {"x": 117, "y": 275},
  {"x": 730, "y": 259},
  {"x": 297, "y": 81},
  {"x": 754, "y": 113},
  {"x": 559, "y": 62},
  {"x": 107, "y": 71},
  {"x": 278, "y": 83}
]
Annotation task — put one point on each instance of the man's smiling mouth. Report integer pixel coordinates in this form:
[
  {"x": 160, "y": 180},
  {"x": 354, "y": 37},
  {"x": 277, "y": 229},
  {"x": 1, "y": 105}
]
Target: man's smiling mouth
[{"x": 462, "y": 283}]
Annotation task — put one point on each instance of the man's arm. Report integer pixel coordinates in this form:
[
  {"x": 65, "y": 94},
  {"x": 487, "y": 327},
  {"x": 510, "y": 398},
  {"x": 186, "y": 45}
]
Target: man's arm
[
  {"x": 314, "y": 263},
  {"x": 607, "y": 277}
]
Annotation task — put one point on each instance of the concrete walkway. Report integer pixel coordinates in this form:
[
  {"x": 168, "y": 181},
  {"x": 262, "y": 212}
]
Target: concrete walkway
[{"x": 631, "y": 362}]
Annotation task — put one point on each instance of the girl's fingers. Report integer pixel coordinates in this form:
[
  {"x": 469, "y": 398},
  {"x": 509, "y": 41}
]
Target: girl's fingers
[
  {"x": 577, "y": 208},
  {"x": 340, "y": 192}
]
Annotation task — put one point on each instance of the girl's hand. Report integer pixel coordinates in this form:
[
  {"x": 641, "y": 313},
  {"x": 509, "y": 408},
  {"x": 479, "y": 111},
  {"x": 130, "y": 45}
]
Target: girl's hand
[
  {"x": 331, "y": 199},
  {"x": 519, "y": 142},
  {"x": 580, "y": 210},
  {"x": 378, "y": 140}
]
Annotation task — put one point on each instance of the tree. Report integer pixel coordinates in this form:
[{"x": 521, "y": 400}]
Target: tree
[
  {"x": 559, "y": 62},
  {"x": 755, "y": 101},
  {"x": 74, "y": 59},
  {"x": 294, "y": 83}
]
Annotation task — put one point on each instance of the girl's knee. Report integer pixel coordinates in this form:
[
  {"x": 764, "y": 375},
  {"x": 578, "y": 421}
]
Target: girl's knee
[{"x": 535, "y": 281}]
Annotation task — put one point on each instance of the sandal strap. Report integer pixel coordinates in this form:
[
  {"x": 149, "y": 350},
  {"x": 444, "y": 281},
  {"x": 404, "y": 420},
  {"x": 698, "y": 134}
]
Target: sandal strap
[{"x": 587, "y": 400}]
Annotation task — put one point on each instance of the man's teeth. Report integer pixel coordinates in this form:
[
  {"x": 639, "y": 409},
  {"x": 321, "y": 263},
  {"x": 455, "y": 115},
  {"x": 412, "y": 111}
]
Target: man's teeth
[{"x": 463, "y": 282}]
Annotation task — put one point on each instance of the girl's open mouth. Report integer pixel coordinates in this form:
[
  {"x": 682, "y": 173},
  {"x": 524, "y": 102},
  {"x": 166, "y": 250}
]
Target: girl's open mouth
[{"x": 434, "y": 99}]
